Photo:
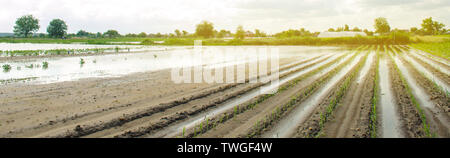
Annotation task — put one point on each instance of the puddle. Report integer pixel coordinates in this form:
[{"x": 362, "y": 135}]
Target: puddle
[
  {"x": 176, "y": 129},
  {"x": 423, "y": 98},
  {"x": 390, "y": 122},
  {"x": 289, "y": 124},
  {"x": 62, "y": 69},
  {"x": 366, "y": 68},
  {"x": 427, "y": 73},
  {"x": 430, "y": 62}
]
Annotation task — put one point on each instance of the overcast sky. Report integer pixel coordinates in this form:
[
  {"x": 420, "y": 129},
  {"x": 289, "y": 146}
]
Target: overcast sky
[{"x": 152, "y": 16}]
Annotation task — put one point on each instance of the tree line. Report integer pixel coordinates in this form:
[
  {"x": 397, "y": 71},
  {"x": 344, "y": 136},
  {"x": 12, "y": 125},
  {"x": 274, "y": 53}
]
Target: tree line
[{"x": 27, "y": 25}]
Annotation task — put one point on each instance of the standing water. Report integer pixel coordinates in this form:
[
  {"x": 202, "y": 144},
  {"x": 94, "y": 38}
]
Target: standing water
[{"x": 390, "y": 123}]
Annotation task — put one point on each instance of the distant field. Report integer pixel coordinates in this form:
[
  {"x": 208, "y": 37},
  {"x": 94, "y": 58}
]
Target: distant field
[
  {"x": 358, "y": 40},
  {"x": 439, "y": 49}
]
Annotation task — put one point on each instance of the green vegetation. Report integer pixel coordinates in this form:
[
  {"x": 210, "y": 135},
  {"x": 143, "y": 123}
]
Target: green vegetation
[
  {"x": 381, "y": 25},
  {"x": 304, "y": 94},
  {"x": 373, "y": 111},
  {"x": 339, "y": 95},
  {"x": 240, "y": 33},
  {"x": 426, "y": 127},
  {"x": 6, "y": 68},
  {"x": 437, "y": 49},
  {"x": 276, "y": 114},
  {"x": 57, "y": 28},
  {"x": 44, "y": 65},
  {"x": 26, "y": 26},
  {"x": 111, "y": 34},
  {"x": 82, "y": 61},
  {"x": 205, "y": 30}
]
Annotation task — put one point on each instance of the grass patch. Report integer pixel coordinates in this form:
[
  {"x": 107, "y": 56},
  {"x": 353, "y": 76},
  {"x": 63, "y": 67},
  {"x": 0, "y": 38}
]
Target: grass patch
[{"x": 437, "y": 49}]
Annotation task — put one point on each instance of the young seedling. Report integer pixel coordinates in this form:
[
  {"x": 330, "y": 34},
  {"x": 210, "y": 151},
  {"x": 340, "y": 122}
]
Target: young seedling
[
  {"x": 82, "y": 61},
  {"x": 6, "y": 67},
  {"x": 44, "y": 65}
]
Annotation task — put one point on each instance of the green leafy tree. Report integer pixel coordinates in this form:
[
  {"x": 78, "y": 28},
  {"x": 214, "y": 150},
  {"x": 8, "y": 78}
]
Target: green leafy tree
[
  {"x": 413, "y": 30},
  {"x": 205, "y": 29},
  {"x": 240, "y": 32},
  {"x": 346, "y": 28},
  {"x": 57, "y": 28},
  {"x": 382, "y": 26},
  {"x": 82, "y": 33},
  {"x": 111, "y": 34},
  {"x": 356, "y": 29},
  {"x": 142, "y": 34},
  {"x": 331, "y": 30},
  {"x": 185, "y": 33},
  {"x": 431, "y": 27},
  {"x": 26, "y": 26},
  {"x": 259, "y": 33},
  {"x": 178, "y": 33}
]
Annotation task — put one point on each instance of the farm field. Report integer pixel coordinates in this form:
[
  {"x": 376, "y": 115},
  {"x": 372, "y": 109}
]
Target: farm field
[{"x": 368, "y": 91}]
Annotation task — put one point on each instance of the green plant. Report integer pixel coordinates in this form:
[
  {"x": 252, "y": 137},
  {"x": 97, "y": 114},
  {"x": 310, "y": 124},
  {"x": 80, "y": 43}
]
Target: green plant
[
  {"x": 44, "y": 65},
  {"x": 82, "y": 61},
  {"x": 6, "y": 68},
  {"x": 426, "y": 127}
]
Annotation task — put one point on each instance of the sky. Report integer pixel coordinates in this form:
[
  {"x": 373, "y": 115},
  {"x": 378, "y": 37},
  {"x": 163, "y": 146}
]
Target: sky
[{"x": 271, "y": 16}]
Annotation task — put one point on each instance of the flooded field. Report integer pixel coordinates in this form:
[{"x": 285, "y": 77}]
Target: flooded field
[{"x": 365, "y": 91}]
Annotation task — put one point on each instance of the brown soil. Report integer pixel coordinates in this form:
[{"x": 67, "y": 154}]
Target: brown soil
[
  {"x": 352, "y": 117},
  {"x": 36, "y": 110},
  {"x": 444, "y": 77},
  {"x": 438, "y": 97},
  {"x": 157, "y": 124},
  {"x": 311, "y": 127},
  {"x": 409, "y": 116},
  {"x": 242, "y": 124}
]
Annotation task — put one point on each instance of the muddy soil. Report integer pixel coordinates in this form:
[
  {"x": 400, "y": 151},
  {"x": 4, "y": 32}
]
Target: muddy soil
[
  {"x": 352, "y": 117},
  {"x": 411, "y": 121},
  {"x": 311, "y": 126}
]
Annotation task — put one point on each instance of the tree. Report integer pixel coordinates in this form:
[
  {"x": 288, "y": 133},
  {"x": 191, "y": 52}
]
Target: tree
[
  {"x": 99, "y": 35},
  {"x": 82, "y": 33},
  {"x": 356, "y": 29},
  {"x": 111, "y": 34},
  {"x": 26, "y": 25},
  {"x": 142, "y": 34},
  {"x": 346, "y": 28},
  {"x": 431, "y": 27},
  {"x": 178, "y": 33},
  {"x": 259, "y": 33},
  {"x": 223, "y": 33},
  {"x": 368, "y": 33},
  {"x": 381, "y": 25},
  {"x": 331, "y": 30},
  {"x": 413, "y": 30},
  {"x": 57, "y": 28},
  {"x": 205, "y": 29},
  {"x": 185, "y": 33},
  {"x": 240, "y": 32}
]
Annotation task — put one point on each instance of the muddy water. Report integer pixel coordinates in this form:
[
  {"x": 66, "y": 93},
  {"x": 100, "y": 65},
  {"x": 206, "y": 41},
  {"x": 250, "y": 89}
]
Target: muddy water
[
  {"x": 445, "y": 86},
  {"x": 62, "y": 69},
  {"x": 390, "y": 122},
  {"x": 434, "y": 115},
  {"x": 287, "y": 127},
  {"x": 438, "y": 59},
  {"x": 431, "y": 62},
  {"x": 366, "y": 68},
  {"x": 34, "y": 46},
  {"x": 176, "y": 129}
]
